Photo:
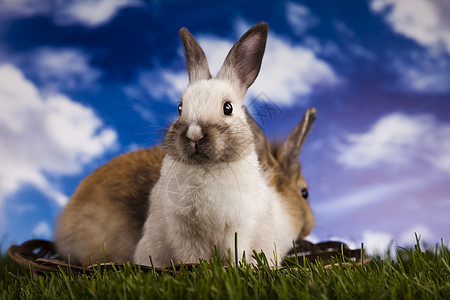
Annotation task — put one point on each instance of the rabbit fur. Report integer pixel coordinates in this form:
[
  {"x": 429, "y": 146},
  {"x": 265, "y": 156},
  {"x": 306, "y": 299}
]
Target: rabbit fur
[
  {"x": 212, "y": 185},
  {"x": 253, "y": 189}
]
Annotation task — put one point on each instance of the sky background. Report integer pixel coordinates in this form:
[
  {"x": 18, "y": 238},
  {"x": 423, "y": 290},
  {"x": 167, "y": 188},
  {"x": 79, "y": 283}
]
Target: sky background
[{"x": 84, "y": 81}]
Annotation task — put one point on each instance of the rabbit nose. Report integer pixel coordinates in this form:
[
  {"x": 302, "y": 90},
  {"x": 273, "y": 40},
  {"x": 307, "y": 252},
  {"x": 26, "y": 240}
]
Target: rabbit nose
[{"x": 194, "y": 133}]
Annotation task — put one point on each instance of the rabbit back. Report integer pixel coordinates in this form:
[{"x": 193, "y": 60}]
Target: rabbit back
[{"x": 109, "y": 208}]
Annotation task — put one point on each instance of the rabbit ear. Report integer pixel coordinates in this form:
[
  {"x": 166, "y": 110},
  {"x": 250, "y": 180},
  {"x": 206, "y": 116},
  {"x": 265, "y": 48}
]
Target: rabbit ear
[
  {"x": 197, "y": 65},
  {"x": 290, "y": 149},
  {"x": 243, "y": 62},
  {"x": 262, "y": 144}
]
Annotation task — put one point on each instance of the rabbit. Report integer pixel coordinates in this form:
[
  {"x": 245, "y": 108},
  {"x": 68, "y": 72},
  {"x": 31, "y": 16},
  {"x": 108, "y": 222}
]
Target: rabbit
[
  {"x": 212, "y": 184},
  {"x": 104, "y": 218},
  {"x": 110, "y": 205},
  {"x": 283, "y": 171}
]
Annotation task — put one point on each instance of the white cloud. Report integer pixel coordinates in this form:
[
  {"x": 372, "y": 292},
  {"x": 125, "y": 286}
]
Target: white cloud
[
  {"x": 92, "y": 13},
  {"x": 42, "y": 230},
  {"x": 365, "y": 196},
  {"x": 398, "y": 140},
  {"x": 89, "y": 13},
  {"x": 155, "y": 84},
  {"x": 377, "y": 243},
  {"x": 408, "y": 237},
  {"x": 312, "y": 238},
  {"x": 425, "y": 21},
  {"x": 325, "y": 48},
  {"x": 300, "y": 18},
  {"x": 374, "y": 242},
  {"x": 422, "y": 73},
  {"x": 288, "y": 72},
  {"x": 216, "y": 49},
  {"x": 10, "y": 8},
  {"x": 44, "y": 135},
  {"x": 62, "y": 68}
]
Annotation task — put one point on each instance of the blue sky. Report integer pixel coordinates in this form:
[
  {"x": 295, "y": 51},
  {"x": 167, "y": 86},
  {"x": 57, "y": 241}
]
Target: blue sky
[{"x": 83, "y": 81}]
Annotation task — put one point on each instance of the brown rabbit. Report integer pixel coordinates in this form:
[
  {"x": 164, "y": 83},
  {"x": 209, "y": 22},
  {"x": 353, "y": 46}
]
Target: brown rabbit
[
  {"x": 111, "y": 205},
  {"x": 109, "y": 208},
  {"x": 281, "y": 166}
]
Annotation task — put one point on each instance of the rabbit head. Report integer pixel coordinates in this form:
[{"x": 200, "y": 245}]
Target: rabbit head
[
  {"x": 281, "y": 164},
  {"x": 212, "y": 124}
]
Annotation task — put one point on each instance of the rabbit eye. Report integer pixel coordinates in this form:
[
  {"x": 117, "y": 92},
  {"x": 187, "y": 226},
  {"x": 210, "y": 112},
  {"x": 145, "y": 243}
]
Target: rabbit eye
[
  {"x": 227, "y": 108},
  {"x": 305, "y": 193},
  {"x": 180, "y": 109}
]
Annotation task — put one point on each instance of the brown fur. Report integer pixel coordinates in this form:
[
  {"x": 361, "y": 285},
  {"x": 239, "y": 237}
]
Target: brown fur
[
  {"x": 289, "y": 183},
  {"x": 109, "y": 207},
  {"x": 179, "y": 148},
  {"x": 249, "y": 62},
  {"x": 280, "y": 163},
  {"x": 195, "y": 57}
]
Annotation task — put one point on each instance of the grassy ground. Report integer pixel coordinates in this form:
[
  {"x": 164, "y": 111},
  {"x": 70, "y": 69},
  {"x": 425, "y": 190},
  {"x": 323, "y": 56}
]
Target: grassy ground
[{"x": 412, "y": 274}]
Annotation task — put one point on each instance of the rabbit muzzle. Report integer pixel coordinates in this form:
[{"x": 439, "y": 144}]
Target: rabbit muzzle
[{"x": 205, "y": 142}]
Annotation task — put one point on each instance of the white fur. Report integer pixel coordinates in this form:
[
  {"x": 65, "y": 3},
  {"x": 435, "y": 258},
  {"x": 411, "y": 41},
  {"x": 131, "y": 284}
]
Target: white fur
[
  {"x": 203, "y": 100},
  {"x": 194, "y": 209},
  {"x": 194, "y": 132}
]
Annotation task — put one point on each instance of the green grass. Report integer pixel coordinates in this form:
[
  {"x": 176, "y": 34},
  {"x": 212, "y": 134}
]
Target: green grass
[{"x": 414, "y": 273}]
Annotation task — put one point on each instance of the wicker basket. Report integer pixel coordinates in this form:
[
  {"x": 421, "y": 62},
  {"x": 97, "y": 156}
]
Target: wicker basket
[{"x": 41, "y": 256}]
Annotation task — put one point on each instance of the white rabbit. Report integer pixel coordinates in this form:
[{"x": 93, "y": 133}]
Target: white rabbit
[
  {"x": 110, "y": 205},
  {"x": 212, "y": 184}
]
